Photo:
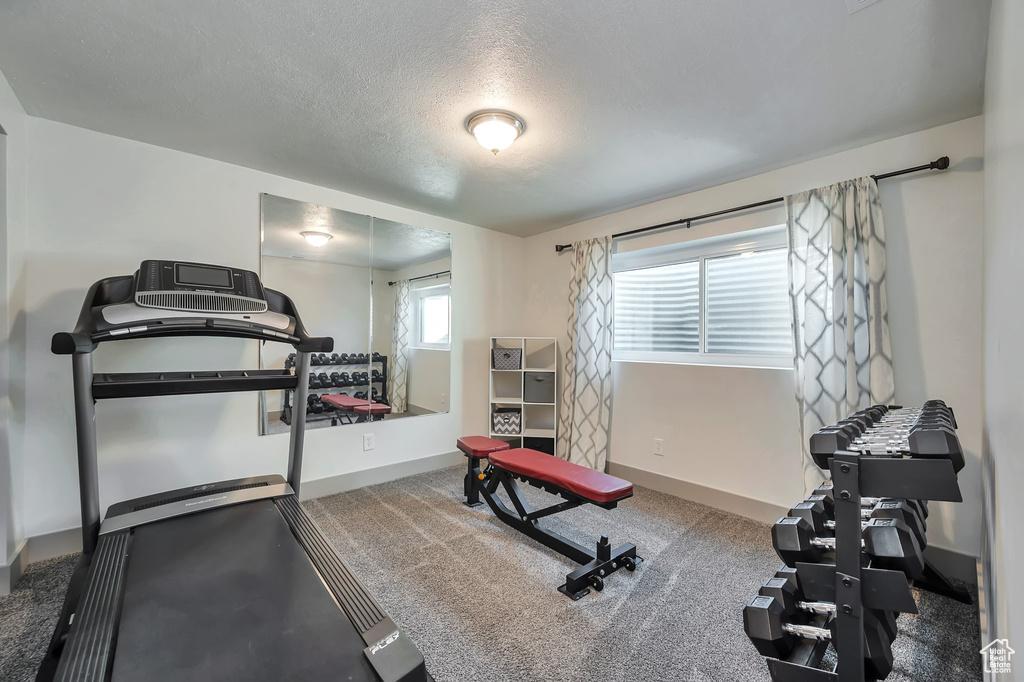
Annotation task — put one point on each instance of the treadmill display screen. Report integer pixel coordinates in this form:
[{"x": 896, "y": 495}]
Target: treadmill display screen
[{"x": 192, "y": 275}]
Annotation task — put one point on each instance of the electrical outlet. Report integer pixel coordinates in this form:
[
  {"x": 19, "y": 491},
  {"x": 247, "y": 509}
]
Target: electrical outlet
[
  {"x": 367, "y": 441},
  {"x": 444, "y": 398},
  {"x": 857, "y": 5},
  {"x": 659, "y": 447}
]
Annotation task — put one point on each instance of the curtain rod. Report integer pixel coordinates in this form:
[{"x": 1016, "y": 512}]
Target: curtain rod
[
  {"x": 434, "y": 274},
  {"x": 942, "y": 163}
]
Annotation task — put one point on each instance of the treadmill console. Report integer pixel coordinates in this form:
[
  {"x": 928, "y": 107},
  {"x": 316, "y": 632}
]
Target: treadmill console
[{"x": 198, "y": 287}]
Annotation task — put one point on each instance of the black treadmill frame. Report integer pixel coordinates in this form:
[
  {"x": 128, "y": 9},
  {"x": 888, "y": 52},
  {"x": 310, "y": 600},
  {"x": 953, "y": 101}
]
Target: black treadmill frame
[{"x": 93, "y": 599}]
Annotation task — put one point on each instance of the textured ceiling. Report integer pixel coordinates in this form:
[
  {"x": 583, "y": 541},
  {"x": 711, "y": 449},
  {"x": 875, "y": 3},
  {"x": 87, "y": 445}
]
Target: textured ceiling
[
  {"x": 356, "y": 239},
  {"x": 624, "y": 102}
]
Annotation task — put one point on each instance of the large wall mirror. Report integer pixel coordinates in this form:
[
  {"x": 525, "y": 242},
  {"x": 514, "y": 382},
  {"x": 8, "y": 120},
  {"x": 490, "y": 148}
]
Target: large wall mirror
[{"x": 383, "y": 290}]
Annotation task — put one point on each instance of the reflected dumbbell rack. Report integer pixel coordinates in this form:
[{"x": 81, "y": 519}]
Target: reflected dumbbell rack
[{"x": 329, "y": 374}]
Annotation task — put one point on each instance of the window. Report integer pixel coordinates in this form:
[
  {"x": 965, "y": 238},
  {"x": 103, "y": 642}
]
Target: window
[
  {"x": 717, "y": 301},
  {"x": 432, "y": 316}
]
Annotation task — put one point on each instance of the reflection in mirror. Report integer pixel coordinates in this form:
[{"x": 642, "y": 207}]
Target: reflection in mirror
[
  {"x": 412, "y": 315},
  {"x": 320, "y": 258},
  {"x": 337, "y": 267}
]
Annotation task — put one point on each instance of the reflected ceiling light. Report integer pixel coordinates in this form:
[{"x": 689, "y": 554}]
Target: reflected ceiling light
[
  {"x": 317, "y": 239},
  {"x": 495, "y": 130}
]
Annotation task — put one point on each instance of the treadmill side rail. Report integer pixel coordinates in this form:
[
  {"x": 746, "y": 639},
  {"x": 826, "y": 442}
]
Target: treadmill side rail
[
  {"x": 89, "y": 658},
  {"x": 392, "y": 654}
]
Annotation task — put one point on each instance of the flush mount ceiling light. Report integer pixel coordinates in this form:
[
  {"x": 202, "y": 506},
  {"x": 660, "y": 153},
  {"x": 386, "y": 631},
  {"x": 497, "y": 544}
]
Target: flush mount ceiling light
[
  {"x": 495, "y": 130},
  {"x": 317, "y": 239}
]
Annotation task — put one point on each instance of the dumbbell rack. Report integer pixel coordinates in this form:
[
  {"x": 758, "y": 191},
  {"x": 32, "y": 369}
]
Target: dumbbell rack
[
  {"x": 850, "y": 585},
  {"x": 287, "y": 409}
]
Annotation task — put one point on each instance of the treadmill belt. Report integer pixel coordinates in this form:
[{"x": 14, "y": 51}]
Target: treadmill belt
[{"x": 229, "y": 594}]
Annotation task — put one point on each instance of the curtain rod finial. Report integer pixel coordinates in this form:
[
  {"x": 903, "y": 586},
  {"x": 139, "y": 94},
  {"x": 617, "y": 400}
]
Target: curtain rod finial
[{"x": 941, "y": 163}]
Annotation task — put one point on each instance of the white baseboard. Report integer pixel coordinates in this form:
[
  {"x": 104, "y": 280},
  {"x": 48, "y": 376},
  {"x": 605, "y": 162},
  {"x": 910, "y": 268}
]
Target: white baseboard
[
  {"x": 322, "y": 487},
  {"x": 12, "y": 570},
  {"x": 758, "y": 510},
  {"x": 63, "y": 542},
  {"x": 952, "y": 563}
]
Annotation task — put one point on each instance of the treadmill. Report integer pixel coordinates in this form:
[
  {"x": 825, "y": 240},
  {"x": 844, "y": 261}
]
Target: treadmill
[{"x": 225, "y": 581}]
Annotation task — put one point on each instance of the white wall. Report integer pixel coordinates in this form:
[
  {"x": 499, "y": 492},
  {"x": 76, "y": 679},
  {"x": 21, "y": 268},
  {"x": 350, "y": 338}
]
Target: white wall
[
  {"x": 333, "y": 299},
  {"x": 97, "y": 206},
  {"x": 735, "y": 429},
  {"x": 1004, "y": 326},
  {"x": 12, "y": 331},
  {"x": 428, "y": 378}
]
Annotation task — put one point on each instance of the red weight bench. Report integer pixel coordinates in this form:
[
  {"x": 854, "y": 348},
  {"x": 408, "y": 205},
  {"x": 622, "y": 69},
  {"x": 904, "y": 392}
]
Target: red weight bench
[
  {"x": 363, "y": 409},
  {"x": 577, "y": 485}
]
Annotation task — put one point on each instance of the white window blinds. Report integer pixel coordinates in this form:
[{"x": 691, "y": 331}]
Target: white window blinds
[
  {"x": 658, "y": 309},
  {"x": 747, "y": 306},
  {"x": 723, "y": 300}
]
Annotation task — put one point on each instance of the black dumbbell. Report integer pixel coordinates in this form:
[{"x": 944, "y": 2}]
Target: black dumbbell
[
  {"x": 887, "y": 542},
  {"x": 335, "y": 359},
  {"x": 924, "y": 440},
  {"x": 377, "y": 357},
  {"x": 344, "y": 380},
  {"x": 377, "y": 376},
  {"x": 314, "y": 359},
  {"x": 325, "y": 381},
  {"x": 818, "y": 511},
  {"x": 318, "y": 407},
  {"x": 920, "y": 506},
  {"x": 360, "y": 395},
  {"x": 336, "y": 380},
  {"x": 314, "y": 381},
  {"x": 886, "y": 618},
  {"x": 767, "y": 622}
]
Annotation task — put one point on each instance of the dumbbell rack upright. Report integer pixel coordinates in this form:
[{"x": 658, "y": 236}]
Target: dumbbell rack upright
[{"x": 850, "y": 585}]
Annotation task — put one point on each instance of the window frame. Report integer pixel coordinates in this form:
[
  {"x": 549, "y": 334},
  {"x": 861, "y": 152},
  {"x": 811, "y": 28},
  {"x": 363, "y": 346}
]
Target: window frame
[
  {"x": 417, "y": 295},
  {"x": 701, "y": 250}
]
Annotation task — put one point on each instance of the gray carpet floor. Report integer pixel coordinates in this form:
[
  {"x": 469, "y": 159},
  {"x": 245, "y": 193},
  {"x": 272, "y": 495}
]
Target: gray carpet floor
[{"x": 479, "y": 599}]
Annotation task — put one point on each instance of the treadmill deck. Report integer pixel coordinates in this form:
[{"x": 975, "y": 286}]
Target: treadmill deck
[{"x": 228, "y": 594}]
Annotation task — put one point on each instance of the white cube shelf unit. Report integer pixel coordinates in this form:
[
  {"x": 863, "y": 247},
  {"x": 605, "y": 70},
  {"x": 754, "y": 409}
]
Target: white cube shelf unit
[{"x": 532, "y": 389}]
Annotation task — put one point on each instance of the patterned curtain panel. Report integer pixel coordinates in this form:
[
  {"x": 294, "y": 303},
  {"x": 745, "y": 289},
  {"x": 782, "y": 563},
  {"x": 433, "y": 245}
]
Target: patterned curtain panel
[
  {"x": 585, "y": 417},
  {"x": 398, "y": 363},
  {"x": 843, "y": 357}
]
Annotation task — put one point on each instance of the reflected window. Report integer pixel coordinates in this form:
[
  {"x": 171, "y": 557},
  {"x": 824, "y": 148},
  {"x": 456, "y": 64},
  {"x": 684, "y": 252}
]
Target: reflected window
[{"x": 432, "y": 310}]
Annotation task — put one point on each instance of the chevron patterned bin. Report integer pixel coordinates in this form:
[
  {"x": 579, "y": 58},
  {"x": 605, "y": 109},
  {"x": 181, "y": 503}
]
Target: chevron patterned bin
[{"x": 506, "y": 421}]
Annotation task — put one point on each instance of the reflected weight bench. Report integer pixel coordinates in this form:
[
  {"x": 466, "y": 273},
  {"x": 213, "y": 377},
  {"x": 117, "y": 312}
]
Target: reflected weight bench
[
  {"x": 363, "y": 409},
  {"x": 577, "y": 485}
]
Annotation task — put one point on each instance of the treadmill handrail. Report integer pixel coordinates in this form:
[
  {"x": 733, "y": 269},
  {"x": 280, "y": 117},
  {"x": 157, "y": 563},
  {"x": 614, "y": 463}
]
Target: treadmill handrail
[{"x": 112, "y": 290}]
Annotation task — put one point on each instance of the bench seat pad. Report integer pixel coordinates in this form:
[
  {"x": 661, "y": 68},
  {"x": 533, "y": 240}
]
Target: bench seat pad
[
  {"x": 357, "y": 405},
  {"x": 595, "y": 486},
  {"x": 372, "y": 408},
  {"x": 481, "y": 446}
]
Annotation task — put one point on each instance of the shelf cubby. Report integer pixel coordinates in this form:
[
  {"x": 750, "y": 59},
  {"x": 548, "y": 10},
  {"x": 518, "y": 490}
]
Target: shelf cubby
[
  {"x": 540, "y": 354},
  {"x": 508, "y": 390}
]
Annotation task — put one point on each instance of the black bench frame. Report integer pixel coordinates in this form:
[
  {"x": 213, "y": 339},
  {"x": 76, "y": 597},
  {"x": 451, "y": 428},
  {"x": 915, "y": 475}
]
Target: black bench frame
[{"x": 597, "y": 564}]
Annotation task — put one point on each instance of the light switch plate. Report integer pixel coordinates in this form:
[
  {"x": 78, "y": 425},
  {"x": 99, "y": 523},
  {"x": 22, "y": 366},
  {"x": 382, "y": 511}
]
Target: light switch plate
[{"x": 857, "y": 5}]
